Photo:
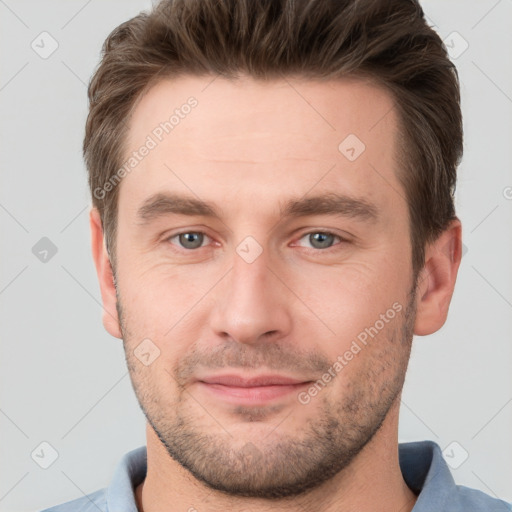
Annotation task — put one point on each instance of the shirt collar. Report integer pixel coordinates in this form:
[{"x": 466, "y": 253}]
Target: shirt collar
[
  {"x": 130, "y": 472},
  {"x": 426, "y": 473}
]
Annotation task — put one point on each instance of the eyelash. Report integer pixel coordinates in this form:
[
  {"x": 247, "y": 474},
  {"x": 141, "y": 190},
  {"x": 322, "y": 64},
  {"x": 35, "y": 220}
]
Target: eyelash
[{"x": 326, "y": 250}]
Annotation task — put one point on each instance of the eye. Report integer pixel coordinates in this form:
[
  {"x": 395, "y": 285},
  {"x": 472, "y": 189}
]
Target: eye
[
  {"x": 321, "y": 239},
  {"x": 189, "y": 240}
]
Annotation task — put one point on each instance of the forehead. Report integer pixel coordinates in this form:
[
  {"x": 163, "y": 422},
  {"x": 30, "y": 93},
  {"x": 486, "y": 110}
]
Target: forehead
[
  {"x": 251, "y": 134},
  {"x": 317, "y": 110}
]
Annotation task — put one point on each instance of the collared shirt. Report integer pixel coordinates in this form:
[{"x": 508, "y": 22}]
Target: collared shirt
[{"x": 422, "y": 464}]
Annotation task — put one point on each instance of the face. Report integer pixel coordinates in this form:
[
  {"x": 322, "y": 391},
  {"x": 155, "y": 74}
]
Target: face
[{"x": 255, "y": 240}]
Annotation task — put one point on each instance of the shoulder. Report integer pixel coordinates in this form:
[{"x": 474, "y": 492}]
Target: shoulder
[
  {"x": 465, "y": 498},
  {"x": 95, "y": 502}
]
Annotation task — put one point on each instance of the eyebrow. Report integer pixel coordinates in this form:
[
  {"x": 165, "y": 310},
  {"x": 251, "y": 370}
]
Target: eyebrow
[{"x": 163, "y": 204}]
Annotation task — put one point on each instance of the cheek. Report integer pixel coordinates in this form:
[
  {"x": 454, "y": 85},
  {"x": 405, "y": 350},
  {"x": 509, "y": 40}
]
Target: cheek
[
  {"x": 351, "y": 296},
  {"x": 163, "y": 316},
  {"x": 158, "y": 295}
]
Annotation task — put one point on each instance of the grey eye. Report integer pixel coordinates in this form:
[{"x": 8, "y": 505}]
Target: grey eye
[
  {"x": 191, "y": 240},
  {"x": 321, "y": 240}
]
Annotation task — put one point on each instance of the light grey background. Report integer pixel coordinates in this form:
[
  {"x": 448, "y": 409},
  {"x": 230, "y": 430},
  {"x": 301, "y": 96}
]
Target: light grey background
[{"x": 63, "y": 378}]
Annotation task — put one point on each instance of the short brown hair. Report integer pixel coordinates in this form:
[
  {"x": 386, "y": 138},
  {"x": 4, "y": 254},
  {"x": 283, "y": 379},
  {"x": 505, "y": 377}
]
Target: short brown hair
[{"x": 387, "y": 41}]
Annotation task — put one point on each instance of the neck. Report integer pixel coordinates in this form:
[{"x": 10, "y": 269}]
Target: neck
[{"x": 372, "y": 481}]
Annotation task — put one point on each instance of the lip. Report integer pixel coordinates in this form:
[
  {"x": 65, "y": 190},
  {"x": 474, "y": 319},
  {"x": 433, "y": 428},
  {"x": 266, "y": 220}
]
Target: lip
[
  {"x": 244, "y": 382},
  {"x": 259, "y": 390}
]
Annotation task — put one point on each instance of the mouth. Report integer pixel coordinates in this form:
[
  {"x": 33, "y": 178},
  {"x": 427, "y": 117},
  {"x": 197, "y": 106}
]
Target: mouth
[{"x": 236, "y": 389}]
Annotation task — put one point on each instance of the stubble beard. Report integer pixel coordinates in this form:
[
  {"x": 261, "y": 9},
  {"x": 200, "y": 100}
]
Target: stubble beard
[{"x": 280, "y": 466}]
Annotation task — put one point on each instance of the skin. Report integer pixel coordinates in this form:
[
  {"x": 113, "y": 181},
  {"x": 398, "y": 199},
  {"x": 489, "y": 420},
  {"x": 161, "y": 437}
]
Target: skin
[{"x": 247, "y": 148}]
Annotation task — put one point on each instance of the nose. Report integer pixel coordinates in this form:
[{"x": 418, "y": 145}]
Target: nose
[{"x": 252, "y": 303}]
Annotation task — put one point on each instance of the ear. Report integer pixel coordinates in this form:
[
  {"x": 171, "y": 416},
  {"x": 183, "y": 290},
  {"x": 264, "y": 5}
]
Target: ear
[
  {"x": 436, "y": 280},
  {"x": 105, "y": 275}
]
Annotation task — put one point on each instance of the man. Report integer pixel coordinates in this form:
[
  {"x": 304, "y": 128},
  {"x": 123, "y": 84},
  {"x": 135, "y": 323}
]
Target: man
[{"x": 272, "y": 221}]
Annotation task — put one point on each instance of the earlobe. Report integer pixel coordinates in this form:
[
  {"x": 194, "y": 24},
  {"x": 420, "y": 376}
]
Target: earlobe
[
  {"x": 436, "y": 281},
  {"x": 105, "y": 275}
]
